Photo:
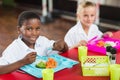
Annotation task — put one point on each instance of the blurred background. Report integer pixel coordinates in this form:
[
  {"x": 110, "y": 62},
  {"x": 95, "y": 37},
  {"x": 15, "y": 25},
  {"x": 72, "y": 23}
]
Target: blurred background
[{"x": 57, "y": 16}]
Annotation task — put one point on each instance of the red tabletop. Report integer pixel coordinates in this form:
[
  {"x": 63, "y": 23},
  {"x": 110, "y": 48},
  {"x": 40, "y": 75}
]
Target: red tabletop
[{"x": 73, "y": 73}]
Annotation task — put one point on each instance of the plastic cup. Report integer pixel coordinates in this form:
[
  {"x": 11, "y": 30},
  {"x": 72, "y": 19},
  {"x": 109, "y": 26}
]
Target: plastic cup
[
  {"x": 48, "y": 74},
  {"x": 82, "y": 51},
  {"x": 115, "y": 72}
]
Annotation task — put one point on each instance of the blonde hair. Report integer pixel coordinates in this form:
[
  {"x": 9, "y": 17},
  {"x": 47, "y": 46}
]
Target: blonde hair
[{"x": 83, "y": 5}]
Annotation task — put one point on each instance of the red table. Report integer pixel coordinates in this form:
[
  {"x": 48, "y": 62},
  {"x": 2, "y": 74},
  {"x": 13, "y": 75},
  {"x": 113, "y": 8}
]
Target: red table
[{"x": 73, "y": 73}]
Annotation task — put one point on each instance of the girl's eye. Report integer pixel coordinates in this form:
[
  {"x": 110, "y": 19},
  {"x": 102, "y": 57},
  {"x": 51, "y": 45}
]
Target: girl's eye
[
  {"x": 85, "y": 15},
  {"x": 92, "y": 15}
]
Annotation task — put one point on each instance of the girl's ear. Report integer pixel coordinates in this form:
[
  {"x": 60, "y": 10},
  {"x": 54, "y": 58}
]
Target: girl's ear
[{"x": 78, "y": 17}]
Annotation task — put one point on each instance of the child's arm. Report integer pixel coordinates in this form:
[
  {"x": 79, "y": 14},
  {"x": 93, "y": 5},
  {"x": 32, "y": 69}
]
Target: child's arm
[
  {"x": 81, "y": 43},
  {"x": 108, "y": 34},
  {"x": 14, "y": 66},
  {"x": 113, "y": 34},
  {"x": 60, "y": 45}
]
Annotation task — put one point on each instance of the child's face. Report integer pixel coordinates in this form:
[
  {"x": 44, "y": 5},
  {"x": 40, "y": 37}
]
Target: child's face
[
  {"x": 87, "y": 16},
  {"x": 30, "y": 31}
]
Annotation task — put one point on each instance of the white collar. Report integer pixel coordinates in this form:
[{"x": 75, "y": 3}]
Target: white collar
[{"x": 23, "y": 45}]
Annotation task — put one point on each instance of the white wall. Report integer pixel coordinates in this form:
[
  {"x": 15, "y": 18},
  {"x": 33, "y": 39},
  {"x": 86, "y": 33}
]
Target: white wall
[
  {"x": 106, "y": 2},
  {"x": 113, "y": 3}
]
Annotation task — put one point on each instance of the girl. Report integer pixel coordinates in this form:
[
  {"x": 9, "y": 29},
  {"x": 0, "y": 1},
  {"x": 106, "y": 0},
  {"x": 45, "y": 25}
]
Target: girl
[{"x": 84, "y": 30}]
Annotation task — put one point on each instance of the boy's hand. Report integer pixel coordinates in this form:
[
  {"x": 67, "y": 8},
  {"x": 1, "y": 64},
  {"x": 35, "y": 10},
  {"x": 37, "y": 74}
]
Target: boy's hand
[
  {"x": 29, "y": 58},
  {"x": 60, "y": 45}
]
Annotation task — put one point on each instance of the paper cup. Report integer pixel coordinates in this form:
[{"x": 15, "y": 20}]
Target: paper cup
[
  {"x": 82, "y": 51},
  {"x": 115, "y": 72},
  {"x": 48, "y": 74}
]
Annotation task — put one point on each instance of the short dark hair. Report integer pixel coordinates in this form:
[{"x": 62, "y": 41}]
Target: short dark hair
[{"x": 26, "y": 15}]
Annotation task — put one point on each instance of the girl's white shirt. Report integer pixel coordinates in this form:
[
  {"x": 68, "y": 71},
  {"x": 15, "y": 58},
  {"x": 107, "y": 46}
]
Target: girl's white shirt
[
  {"x": 18, "y": 50},
  {"x": 76, "y": 34}
]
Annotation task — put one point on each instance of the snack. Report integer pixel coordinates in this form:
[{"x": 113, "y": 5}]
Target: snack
[
  {"x": 111, "y": 49},
  {"x": 41, "y": 64},
  {"x": 108, "y": 48},
  {"x": 110, "y": 43},
  {"x": 105, "y": 43},
  {"x": 51, "y": 63},
  {"x": 101, "y": 43}
]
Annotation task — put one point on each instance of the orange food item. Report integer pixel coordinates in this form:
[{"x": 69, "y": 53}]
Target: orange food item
[
  {"x": 51, "y": 63},
  {"x": 101, "y": 43}
]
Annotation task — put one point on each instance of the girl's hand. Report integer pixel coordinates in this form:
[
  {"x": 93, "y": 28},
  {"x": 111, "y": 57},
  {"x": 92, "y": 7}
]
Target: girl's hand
[
  {"x": 60, "y": 45},
  {"x": 108, "y": 34},
  {"x": 29, "y": 58},
  {"x": 81, "y": 43}
]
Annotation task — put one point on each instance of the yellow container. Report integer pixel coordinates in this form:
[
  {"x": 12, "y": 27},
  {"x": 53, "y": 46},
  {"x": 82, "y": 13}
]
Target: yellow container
[
  {"x": 115, "y": 72},
  {"x": 48, "y": 74},
  {"x": 82, "y": 51},
  {"x": 95, "y": 65}
]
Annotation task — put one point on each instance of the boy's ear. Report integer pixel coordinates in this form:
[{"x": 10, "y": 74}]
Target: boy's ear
[{"x": 18, "y": 29}]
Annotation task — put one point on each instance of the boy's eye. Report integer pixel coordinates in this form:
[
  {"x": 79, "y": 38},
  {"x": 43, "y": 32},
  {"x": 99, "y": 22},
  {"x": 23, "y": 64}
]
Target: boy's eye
[
  {"x": 29, "y": 28},
  {"x": 38, "y": 28}
]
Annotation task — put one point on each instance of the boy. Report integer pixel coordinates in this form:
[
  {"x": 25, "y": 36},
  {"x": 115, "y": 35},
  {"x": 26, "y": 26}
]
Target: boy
[{"x": 23, "y": 50}]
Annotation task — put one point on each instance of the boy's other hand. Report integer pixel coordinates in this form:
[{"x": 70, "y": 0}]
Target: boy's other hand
[{"x": 60, "y": 45}]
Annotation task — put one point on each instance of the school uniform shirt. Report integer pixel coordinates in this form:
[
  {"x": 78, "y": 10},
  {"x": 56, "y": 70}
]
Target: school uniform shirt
[
  {"x": 18, "y": 50},
  {"x": 76, "y": 34}
]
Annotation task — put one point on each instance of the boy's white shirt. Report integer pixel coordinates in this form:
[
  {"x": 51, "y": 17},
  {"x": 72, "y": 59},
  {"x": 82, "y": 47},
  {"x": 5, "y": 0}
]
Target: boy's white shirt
[
  {"x": 76, "y": 34},
  {"x": 18, "y": 50}
]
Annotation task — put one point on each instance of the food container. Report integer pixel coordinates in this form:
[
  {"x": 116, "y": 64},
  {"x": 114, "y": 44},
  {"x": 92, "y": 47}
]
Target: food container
[
  {"x": 93, "y": 44},
  {"x": 62, "y": 63},
  {"x": 115, "y": 72},
  {"x": 95, "y": 65}
]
